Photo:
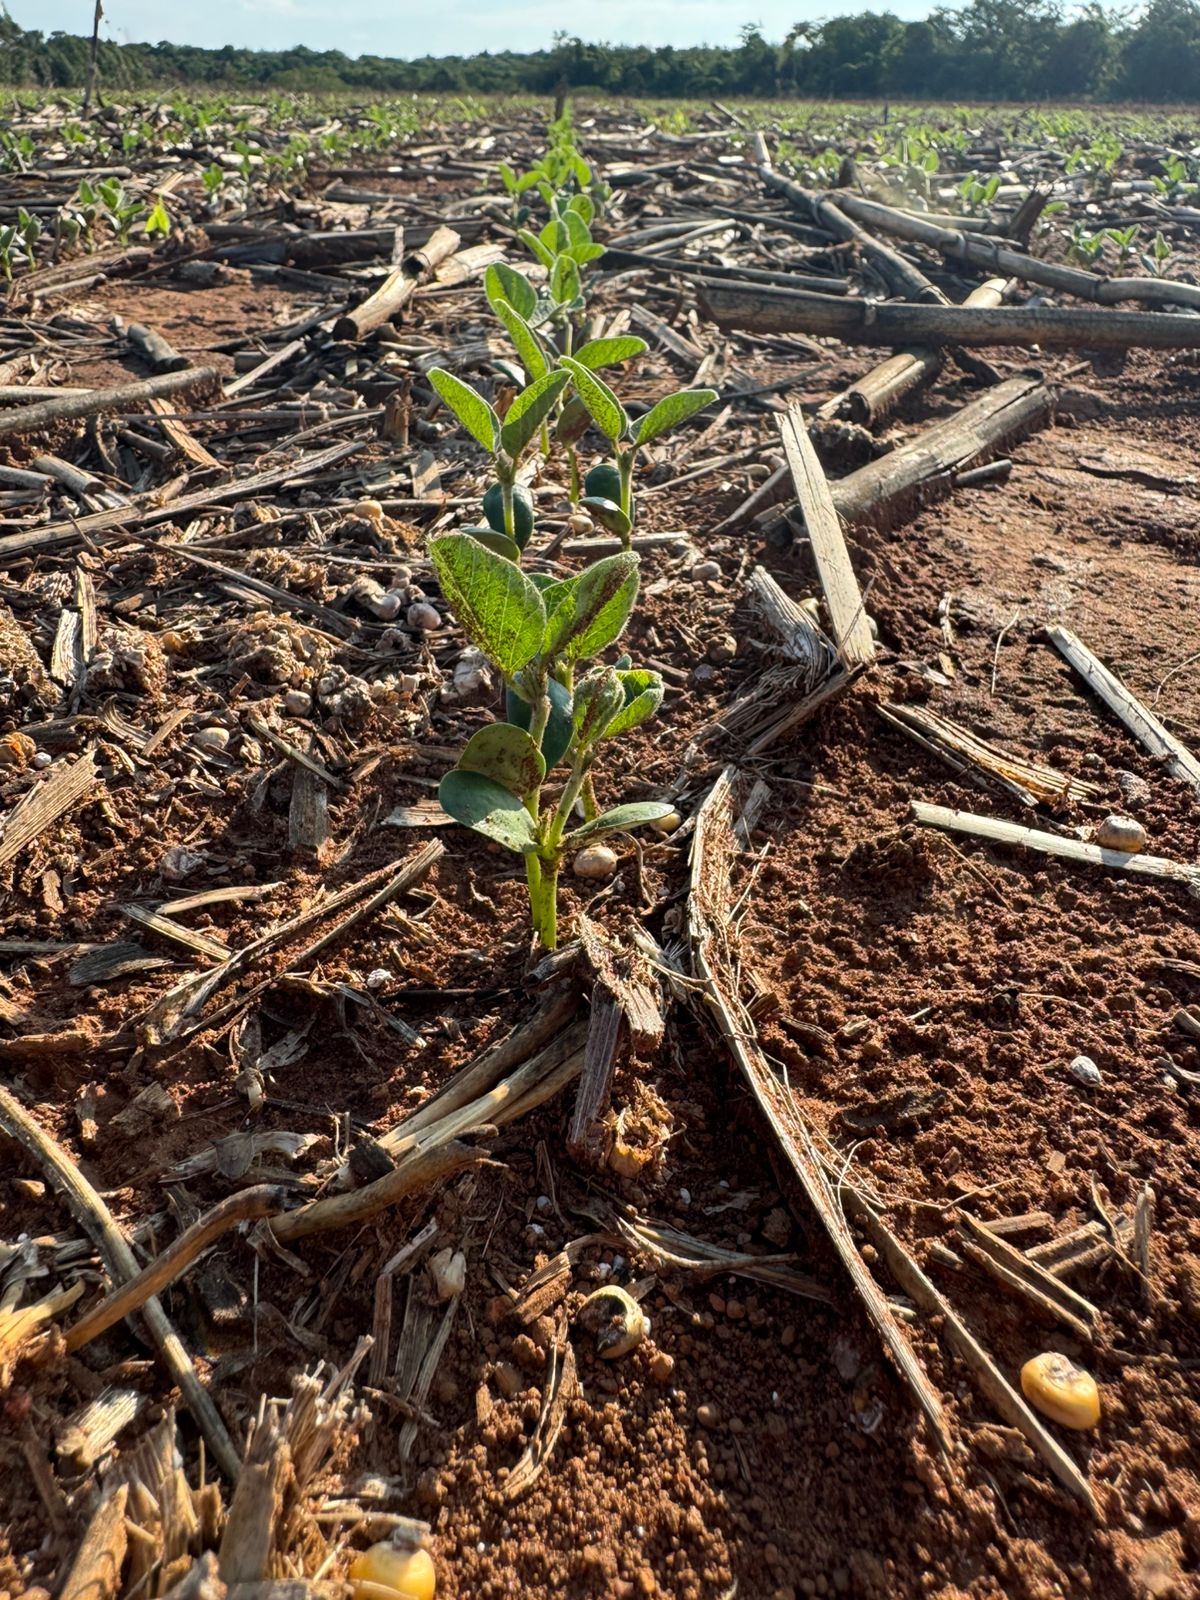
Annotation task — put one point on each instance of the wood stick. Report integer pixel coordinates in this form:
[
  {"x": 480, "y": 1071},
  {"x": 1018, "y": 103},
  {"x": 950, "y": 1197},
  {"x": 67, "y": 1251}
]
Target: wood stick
[
  {"x": 117, "y": 401},
  {"x": 97, "y": 1222},
  {"x": 100, "y": 526},
  {"x": 874, "y": 322},
  {"x": 992, "y": 1382},
  {"x": 1014, "y": 1269},
  {"x": 399, "y": 287},
  {"x": 1139, "y": 719},
  {"x": 96, "y": 1570},
  {"x": 245, "y": 1205},
  {"x": 678, "y": 267},
  {"x": 879, "y": 391},
  {"x": 995, "y": 257},
  {"x": 708, "y": 932},
  {"x": 152, "y": 347},
  {"x": 847, "y": 617},
  {"x": 882, "y": 492},
  {"x": 63, "y": 787},
  {"x": 901, "y": 276},
  {"x": 1053, "y": 844}
]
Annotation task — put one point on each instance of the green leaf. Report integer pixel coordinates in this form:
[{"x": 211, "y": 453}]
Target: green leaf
[
  {"x": 477, "y": 802},
  {"x": 497, "y": 607},
  {"x": 574, "y": 420},
  {"x": 471, "y": 409},
  {"x": 633, "y": 815},
  {"x": 505, "y": 754},
  {"x": 529, "y": 410},
  {"x": 607, "y": 412},
  {"x": 564, "y": 280},
  {"x": 525, "y": 341},
  {"x": 643, "y": 691},
  {"x": 599, "y": 697},
  {"x": 554, "y": 236},
  {"x": 500, "y": 543},
  {"x": 585, "y": 205},
  {"x": 609, "y": 352},
  {"x": 581, "y": 254},
  {"x": 535, "y": 245},
  {"x": 586, "y": 613},
  {"x": 608, "y": 514},
  {"x": 502, "y": 282},
  {"x": 560, "y": 729},
  {"x": 577, "y": 229},
  {"x": 507, "y": 176},
  {"x": 669, "y": 413}
]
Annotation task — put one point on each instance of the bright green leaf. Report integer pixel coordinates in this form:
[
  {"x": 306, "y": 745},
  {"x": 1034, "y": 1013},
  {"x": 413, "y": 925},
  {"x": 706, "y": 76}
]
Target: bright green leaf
[
  {"x": 586, "y": 613},
  {"x": 535, "y": 245},
  {"x": 607, "y": 412},
  {"x": 502, "y": 282},
  {"x": 477, "y": 802},
  {"x": 529, "y": 410},
  {"x": 609, "y": 352},
  {"x": 497, "y": 607},
  {"x": 643, "y": 691},
  {"x": 564, "y": 280},
  {"x": 669, "y": 413},
  {"x": 633, "y": 815},
  {"x": 525, "y": 341},
  {"x": 471, "y": 409}
]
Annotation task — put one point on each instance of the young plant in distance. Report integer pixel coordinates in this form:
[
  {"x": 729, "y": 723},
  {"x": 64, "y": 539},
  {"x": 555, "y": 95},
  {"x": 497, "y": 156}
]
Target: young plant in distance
[
  {"x": 609, "y": 497},
  {"x": 539, "y": 633}
]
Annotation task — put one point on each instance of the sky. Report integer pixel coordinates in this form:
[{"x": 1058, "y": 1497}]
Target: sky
[{"x": 409, "y": 28}]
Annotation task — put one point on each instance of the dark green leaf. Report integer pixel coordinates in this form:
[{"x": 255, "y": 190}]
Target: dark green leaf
[
  {"x": 586, "y": 613},
  {"x": 574, "y": 420},
  {"x": 529, "y": 410},
  {"x": 471, "y": 409},
  {"x": 669, "y": 413},
  {"x": 499, "y": 542},
  {"x": 607, "y": 411},
  {"x": 609, "y": 352},
  {"x": 608, "y": 514},
  {"x": 478, "y": 803},
  {"x": 556, "y": 740},
  {"x": 633, "y": 815},
  {"x": 497, "y": 607},
  {"x": 505, "y": 754}
]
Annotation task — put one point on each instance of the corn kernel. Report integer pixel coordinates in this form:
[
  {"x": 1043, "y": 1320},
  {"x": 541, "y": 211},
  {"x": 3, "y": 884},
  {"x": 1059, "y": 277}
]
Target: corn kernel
[
  {"x": 385, "y": 1573},
  {"x": 1061, "y": 1391}
]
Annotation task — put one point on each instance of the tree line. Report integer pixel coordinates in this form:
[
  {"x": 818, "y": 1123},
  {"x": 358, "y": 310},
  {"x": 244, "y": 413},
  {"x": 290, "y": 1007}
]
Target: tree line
[{"x": 1018, "y": 50}]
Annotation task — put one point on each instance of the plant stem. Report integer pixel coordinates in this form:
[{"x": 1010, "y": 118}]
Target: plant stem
[
  {"x": 506, "y": 500},
  {"x": 573, "y": 464},
  {"x": 625, "y": 468}
]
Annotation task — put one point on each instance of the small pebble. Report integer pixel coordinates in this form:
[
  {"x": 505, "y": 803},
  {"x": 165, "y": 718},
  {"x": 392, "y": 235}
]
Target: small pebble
[
  {"x": 296, "y": 703},
  {"x": 707, "y": 1416},
  {"x": 387, "y": 605},
  {"x": 508, "y": 1380},
  {"x": 1134, "y": 790},
  {"x": 662, "y": 1366},
  {"x": 705, "y": 571},
  {"x": 722, "y": 649},
  {"x": 215, "y": 740},
  {"x": 596, "y": 861},
  {"x": 424, "y": 617},
  {"x": 1121, "y": 833},
  {"x": 448, "y": 1269},
  {"x": 1084, "y": 1070},
  {"x": 42, "y": 759},
  {"x": 377, "y": 977}
]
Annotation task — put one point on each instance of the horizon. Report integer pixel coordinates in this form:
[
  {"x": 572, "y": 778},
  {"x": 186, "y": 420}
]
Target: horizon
[{"x": 379, "y": 28}]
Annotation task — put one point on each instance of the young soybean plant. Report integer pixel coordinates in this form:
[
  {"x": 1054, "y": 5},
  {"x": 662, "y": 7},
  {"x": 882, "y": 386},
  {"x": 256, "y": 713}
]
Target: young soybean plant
[
  {"x": 609, "y": 496},
  {"x": 507, "y": 506},
  {"x": 539, "y": 632}
]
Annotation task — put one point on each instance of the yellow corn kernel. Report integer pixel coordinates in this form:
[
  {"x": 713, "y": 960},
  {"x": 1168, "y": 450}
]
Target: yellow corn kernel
[
  {"x": 385, "y": 1573},
  {"x": 1061, "y": 1391}
]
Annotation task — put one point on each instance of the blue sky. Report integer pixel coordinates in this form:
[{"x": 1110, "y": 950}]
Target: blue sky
[{"x": 408, "y": 28}]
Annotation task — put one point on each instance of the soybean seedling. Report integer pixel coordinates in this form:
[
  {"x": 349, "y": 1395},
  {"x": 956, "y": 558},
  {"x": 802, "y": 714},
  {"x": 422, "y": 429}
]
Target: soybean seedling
[
  {"x": 609, "y": 497},
  {"x": 507, "y": 505},
  {"x": 526, "y": 317},
  {"x": 537, "y": 632}
]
